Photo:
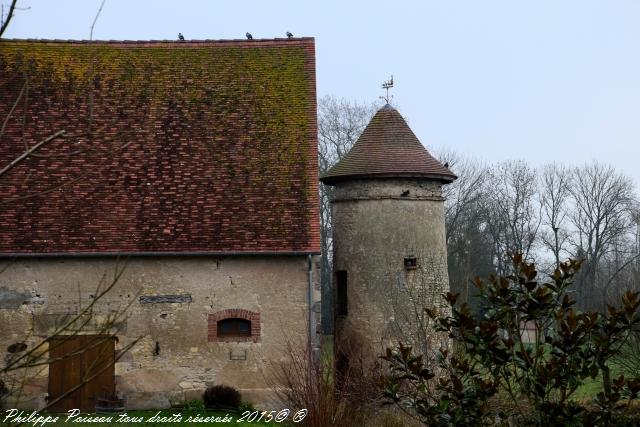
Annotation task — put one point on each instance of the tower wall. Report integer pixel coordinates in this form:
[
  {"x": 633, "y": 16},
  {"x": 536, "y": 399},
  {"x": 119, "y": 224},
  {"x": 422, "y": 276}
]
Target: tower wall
[{"x": 378, "y": 223}]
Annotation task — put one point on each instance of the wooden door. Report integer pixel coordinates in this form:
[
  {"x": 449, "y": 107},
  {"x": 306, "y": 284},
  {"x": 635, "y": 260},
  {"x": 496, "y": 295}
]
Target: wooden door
[{"x": 80, "y": 371}]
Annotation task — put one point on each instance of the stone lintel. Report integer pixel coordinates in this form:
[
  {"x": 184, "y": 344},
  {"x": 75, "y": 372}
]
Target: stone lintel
[{"x": 165, "y": 299}]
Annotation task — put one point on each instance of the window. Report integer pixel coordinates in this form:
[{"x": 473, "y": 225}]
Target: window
[
  {"x": 410, "y": 263},
  {"x": 234, "y": 325},
  {"x": 342, "y": 308},
  {"x": 234, "y": 328}
]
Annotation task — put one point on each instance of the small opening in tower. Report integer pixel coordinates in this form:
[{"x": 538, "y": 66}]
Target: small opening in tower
[
  {"x": 410, "y": 263},
  {"x": 342, "y": 308}
]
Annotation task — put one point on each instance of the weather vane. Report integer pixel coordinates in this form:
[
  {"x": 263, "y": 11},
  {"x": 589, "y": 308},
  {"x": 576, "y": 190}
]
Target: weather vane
[{"x": 387, "y": 85}]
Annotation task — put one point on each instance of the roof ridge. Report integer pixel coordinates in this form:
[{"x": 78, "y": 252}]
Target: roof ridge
[{"x": 277, "y": 40}]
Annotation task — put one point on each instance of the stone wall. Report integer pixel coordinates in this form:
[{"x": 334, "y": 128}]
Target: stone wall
[
  {"x": 379, "y": 224},
  {"x": 171, "y": 300}
]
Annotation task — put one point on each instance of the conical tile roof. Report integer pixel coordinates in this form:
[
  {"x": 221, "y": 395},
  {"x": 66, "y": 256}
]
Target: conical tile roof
[{"x": 387, "y": 149}]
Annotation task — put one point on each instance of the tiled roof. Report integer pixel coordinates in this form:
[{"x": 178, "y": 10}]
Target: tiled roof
[
  {"x": 168, "y": 147},
  {"x": 387, "y": 149}
]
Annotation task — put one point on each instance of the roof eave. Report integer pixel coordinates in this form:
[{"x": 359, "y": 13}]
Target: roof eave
[
  {"x": 13, "y": 255},
  {"x": 336, "y": 179}
]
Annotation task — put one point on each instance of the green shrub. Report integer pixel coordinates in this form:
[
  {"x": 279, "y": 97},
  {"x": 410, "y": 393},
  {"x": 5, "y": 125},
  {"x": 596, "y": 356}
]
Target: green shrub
[
  {"x": 246, "y": 406},
  {"x": 492, "y": 359},
  {"x": 221, "y": 396},
  {"x": 194, "y": 405}
]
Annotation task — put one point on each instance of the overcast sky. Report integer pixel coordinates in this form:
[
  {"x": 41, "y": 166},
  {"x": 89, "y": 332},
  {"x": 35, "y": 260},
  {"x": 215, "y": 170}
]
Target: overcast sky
[{"x": 541, "y": 80}]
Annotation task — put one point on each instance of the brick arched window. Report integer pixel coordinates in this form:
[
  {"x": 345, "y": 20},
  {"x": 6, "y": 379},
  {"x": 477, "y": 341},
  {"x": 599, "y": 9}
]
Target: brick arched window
[{"x": 233, "y": 325}]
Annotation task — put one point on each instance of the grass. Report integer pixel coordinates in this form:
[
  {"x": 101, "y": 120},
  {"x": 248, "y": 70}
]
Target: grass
[{"x": 591, "y": 387}]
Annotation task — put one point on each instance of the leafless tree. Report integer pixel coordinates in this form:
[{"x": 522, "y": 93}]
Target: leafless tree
[
  {"x": 340, "y": 123},
  {"x": 555, "y": 198},
  {"x": 6, "y": 19},
  {"x": 629, "y": 278},
  {"x": 466, "y": 236},
  {"x": 511, "y": 212},
  {"x": 31, "y": 355},
  {"x": 601, "y": 216},
  {"x": 409, "y": 300},
  {"x": 466, "y": 192}
]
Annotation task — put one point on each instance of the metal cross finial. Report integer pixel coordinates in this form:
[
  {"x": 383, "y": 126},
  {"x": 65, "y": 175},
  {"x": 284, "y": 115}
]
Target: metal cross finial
[{"x": 387, "y": 85}]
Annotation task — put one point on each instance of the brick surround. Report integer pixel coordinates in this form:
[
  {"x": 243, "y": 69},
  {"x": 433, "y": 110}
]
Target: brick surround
[{"x": 231, "y": 313}]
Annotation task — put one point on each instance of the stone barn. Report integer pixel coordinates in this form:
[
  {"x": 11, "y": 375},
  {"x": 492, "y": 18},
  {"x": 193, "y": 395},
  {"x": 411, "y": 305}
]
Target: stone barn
[{"x": 184, "y": 172}]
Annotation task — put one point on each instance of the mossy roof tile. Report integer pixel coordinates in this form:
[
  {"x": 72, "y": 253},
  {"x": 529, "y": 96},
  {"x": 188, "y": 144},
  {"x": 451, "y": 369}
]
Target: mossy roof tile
[{"x": 168, "y": 147}]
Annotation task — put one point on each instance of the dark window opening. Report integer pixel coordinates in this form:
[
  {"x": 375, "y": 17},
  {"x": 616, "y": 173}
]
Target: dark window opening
[
  {"x": 341, "y": 293},
  {"x": 234, "y": 328},
  {"x": 410, "y": 263}
]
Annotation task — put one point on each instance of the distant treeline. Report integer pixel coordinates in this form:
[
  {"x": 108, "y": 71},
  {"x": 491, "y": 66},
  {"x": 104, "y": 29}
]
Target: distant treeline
[{"x": 548, "y": 214}]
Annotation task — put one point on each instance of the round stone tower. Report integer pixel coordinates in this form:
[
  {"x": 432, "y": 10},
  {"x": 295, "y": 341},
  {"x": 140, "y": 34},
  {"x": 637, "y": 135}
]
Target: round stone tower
[{"x": 390, "y": 255}]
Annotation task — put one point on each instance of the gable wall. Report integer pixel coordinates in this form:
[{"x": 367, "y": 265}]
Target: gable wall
[{"x": 35, "y": 294}]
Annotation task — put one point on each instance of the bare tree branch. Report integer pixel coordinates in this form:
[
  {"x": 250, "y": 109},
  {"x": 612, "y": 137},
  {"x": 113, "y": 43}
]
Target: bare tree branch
[
  {"x": 96, "y": 19},
  {"x": 5, "y": 24},
  {"x": 30, "y": 150},
  {"x": 13, "y": 107}
]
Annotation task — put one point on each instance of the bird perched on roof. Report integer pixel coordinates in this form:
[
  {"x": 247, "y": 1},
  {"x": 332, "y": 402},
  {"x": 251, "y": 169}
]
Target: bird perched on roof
[
  {"x": 446, "y": 165},
  {"x": 249, "y": 36},
  {"x": 404, "y": 193},
  {"x": 289, "y": 35},
  {"x": 180, "y": 37}
]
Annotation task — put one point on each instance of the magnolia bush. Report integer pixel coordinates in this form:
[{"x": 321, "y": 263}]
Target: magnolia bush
[{"x": 492, "y": 362}]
